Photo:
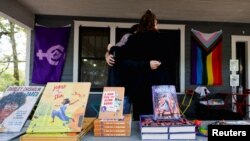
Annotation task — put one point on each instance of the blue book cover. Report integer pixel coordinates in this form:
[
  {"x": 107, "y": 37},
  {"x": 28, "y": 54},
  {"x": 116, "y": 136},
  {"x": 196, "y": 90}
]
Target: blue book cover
[{"x": 165, "y": 102}]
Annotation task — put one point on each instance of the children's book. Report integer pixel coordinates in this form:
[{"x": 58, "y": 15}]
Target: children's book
[
  {"x": 16, "y": 105},
  {"x": 165, "y": 102},
  {"x": 61, "y": 108},
  {"x": 9, "y": 136},
  {"x": 111, "y": 107},
  {"x": 74, "y": 136}
]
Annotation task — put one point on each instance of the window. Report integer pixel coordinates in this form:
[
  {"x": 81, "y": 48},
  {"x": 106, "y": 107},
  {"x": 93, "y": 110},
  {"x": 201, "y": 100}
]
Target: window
[
  {"x": 90, "y": 43},
  {"x": 93, "y": 42},
  {"x": 22, "y": 46}
]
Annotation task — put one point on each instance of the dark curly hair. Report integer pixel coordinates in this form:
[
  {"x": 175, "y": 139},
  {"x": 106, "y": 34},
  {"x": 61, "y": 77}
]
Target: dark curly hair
[
  {"x": 66, "y": 101},
  {"x": 19, "y": 98},
  {"x": 147, "y": 22}
]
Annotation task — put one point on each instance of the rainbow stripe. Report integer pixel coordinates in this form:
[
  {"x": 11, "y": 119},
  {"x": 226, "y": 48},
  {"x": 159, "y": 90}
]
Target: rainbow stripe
[{"x": 206, "y": 52}]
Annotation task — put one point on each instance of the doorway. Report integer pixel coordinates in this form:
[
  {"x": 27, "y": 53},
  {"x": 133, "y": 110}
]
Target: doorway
[{"x": 241, "y": 51}]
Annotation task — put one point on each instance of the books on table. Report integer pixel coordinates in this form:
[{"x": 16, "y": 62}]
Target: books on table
[
  {"x": 111, "y": 107},
  {"x": 166, "y": 129},
  {"x": 166, "y": 121},
  {"x": 120, "y": 127},
  {"x": 88, "y": 124},
  {"x": 61, "y": 108},
  {"x": 111, "y": 121},
  {"x": 165, "y": 103},
  {"x": 16, "y": 105}
]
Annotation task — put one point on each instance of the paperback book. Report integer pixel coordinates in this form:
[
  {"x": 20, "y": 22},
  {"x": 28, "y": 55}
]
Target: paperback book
[
  {"x": 165, "y": 102},
  {"x": 61, "y": 108},
  {"x": 166, "y": 129},
  {"x": 182, "y": 136},
  {"x": 149, "y": 125},
  {"x": 16, "y": 105},
  {"x": 111, "y": 107},
  {"x": 120, "y": 127}
]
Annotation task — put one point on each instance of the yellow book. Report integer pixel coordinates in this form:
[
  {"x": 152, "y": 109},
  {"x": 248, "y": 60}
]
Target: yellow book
[
  {"x": 87, "y": 126},
  {"x": 61, "y": 108}
]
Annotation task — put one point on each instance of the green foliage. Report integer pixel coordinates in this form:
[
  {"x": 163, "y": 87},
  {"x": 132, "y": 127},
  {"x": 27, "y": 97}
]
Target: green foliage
[
  {"x": 7, "y": 79},
  {"x": 13, "y": 32}
]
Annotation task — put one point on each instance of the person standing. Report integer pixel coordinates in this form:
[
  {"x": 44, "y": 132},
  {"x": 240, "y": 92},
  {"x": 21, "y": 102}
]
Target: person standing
[
  {"x": 144, "y": 62},
  {"x": 115, "y": 77}
]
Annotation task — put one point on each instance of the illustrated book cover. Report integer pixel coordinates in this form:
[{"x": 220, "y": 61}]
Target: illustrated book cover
[
  {"x": 111, "y": 107},
  {"x": 165, "y": 102},
  {"x": 16, "y": 105},
  {"x": 61, "y": 108},
  {"x": 149, "y": 125}
]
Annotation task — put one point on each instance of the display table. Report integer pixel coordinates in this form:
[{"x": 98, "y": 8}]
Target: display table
[{"x": 135, "y": 135}]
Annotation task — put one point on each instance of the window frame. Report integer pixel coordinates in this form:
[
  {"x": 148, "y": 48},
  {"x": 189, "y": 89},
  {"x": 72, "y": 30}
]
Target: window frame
[
  {"x": 113, "y": 26},
  {"x": 28, "y": 45}
]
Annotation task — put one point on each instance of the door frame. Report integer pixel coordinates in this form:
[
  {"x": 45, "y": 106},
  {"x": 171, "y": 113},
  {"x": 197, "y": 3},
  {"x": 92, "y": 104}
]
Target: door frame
[{"x": 246, "y": 40}]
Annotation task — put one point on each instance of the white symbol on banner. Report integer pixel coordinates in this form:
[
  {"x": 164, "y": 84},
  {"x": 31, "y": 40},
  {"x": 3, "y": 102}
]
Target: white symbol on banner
[{"x": 53, "y": 54}]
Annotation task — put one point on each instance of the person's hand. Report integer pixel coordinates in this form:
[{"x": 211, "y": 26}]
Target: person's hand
[
  {"x": 154, "y": 64},
  {"x": 110, "y": 60}
]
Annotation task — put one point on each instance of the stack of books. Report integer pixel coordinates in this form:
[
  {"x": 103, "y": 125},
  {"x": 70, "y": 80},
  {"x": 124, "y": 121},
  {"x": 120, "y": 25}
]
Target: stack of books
[
  {"x": 166, "y": 123},
  {"x": 113, "y": 127},
  {"x": 60, "y": 114},
  {"x": 166, "y": 129},
  {"x": 71, "y": 136},
  {"x": 111, "y": 121}
]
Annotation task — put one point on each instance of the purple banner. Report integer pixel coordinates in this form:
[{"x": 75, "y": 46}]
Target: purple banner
[{"x": 49, "y": 53}]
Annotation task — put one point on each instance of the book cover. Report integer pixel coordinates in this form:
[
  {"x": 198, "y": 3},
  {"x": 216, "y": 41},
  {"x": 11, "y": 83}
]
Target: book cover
[
  {"x": 165, "y": 102},
  {"x": 16, "y": 105},
  {"x": 149, "y": 125},
  {"x": 61, "y": 108},
  {"x": 112, "y": 103}
]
